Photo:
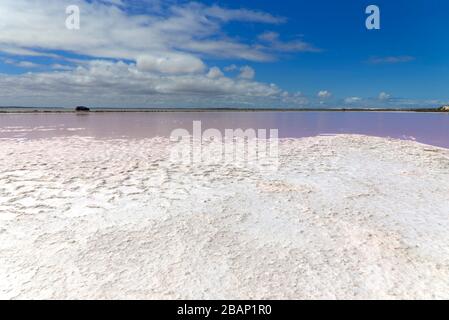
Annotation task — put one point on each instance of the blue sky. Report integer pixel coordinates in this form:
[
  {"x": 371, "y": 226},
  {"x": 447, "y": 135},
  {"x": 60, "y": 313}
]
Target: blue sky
[{"x": 224, "y": 53}]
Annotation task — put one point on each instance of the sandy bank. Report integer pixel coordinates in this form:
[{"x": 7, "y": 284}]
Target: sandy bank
[{"x": 343, "y": 217}]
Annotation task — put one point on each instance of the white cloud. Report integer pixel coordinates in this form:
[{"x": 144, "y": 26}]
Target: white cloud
[
  {"x": 351, "y": 100},
  {"x": 170, "y": 63},
  {"x": 164, "y": 48},
  {"x": 230, "y": 68},
  {"x": 103, "y": 83},
  {"x": 109, "y": 31},
  {"x": 21, "y": 64},
  {"x": 215, "y": 73},
  {"x": 247, "y": 72},
  {"x": 324, "y": 94},
  {"x": 57, "y": 66},
  {"x": 272, "y": 40},
  {"x": 384, "y": 96},
  {"x": 269, "y": 36},
  {"x": 242, "y": 15},
  {"x": 294, "y": 99}
]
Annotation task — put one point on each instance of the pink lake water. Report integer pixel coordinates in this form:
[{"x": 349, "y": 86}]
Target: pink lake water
[{"x": 428, "y": 128}]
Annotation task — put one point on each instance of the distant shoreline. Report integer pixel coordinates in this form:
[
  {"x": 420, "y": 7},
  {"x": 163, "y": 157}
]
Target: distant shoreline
[{"x": 9, "y": 110}]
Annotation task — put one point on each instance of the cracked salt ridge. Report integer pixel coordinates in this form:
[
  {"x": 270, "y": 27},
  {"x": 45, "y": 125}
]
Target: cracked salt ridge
[{"x": 344, "y": 217}]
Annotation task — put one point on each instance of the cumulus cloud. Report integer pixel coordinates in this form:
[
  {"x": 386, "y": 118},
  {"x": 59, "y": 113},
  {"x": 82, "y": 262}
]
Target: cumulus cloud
[
  {"x": 294, "y": 99},
  {"x": 215, "y": 73},
  {"x": 247, "y": 72},
  {"x": 152, "y": 55},
  {"x": 170, "y": 63},
  {"x": 351, "y": 100},
  {"x": 384, "y": 96},
  {"x": 324, "y": 94},
  {"x": 230, "y": 68},
  {"x": 112, "y": 82}
]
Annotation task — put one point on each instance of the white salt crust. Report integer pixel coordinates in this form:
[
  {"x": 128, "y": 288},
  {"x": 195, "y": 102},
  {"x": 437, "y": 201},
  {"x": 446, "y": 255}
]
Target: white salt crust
[{"x": 344, "y": 217}]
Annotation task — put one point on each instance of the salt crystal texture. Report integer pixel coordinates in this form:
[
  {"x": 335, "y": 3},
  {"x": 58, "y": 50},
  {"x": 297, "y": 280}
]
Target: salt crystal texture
[{"x": 344, "y": 217}]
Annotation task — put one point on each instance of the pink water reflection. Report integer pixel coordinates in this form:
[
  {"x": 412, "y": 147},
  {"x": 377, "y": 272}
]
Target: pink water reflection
[{"x": 429, "y": 128}]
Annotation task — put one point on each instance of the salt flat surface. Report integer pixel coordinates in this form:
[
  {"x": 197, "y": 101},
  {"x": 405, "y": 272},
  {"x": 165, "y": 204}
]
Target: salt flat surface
[{"x": 343, "y": 217}]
